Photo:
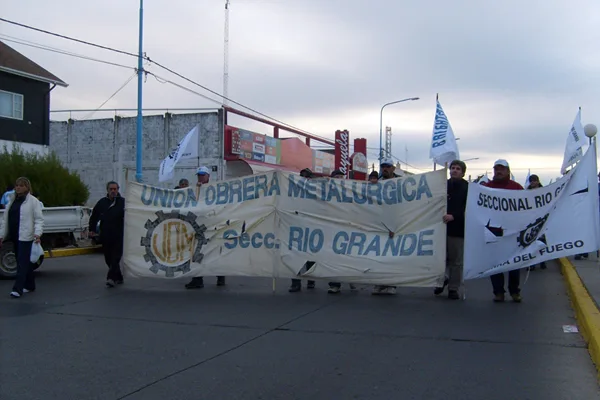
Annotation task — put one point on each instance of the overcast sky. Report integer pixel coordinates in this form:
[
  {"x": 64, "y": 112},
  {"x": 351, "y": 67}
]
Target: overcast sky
[{"x": 510, "y": 74}]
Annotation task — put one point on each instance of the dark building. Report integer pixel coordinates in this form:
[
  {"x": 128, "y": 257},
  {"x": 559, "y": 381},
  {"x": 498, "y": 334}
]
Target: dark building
[{"x": 24, "y": 98}]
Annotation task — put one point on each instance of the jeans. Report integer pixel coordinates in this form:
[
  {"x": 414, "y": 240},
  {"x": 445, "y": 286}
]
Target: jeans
[
  {"x": 514, "y": 278},
  {"x": 25, "y": 278}
]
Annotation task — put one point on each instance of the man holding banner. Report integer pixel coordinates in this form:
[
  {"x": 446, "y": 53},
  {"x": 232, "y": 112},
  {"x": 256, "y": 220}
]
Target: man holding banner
[
  {"x": 455, "y": 227},
  {"x": 501, "y": 180}
]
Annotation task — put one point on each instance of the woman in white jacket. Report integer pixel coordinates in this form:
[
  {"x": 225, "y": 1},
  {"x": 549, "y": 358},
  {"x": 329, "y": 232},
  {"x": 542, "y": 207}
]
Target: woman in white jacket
[{"x": 23, "y": 225}]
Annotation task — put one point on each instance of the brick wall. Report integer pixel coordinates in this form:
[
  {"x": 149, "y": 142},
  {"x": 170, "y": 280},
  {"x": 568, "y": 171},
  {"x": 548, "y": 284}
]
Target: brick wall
[{"x": 104, "y": 149}]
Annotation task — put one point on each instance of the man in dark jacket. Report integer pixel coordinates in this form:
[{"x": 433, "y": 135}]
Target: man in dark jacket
[
  {"x": 502, "y": 180},
  {"x": 454, "y": 219},
  {"x": 110, "y": 212}
]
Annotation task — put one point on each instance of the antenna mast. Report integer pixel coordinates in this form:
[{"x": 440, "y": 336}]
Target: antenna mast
[{"x": 226, "y": 55}]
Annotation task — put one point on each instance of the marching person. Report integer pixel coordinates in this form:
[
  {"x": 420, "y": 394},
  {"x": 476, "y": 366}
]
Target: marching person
[
  {"x": 454, "y": 219},
  {"x": 183, "y": 183},
  {"x": 534, "y": 183},
  {"x": 501, "y": 180},
  {"x": 374, "y": 177},
  {"x": 203, "y": 174},
  {"x": 387, "y": 169},
  {"x": 297, "y": 283},
  {"x": 110, "y": 212},
  {"x": 336, "y": 287},
  {"x": 23, "y": 225}
]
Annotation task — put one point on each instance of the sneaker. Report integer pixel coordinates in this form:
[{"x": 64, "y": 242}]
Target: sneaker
[
  {"x": 516, "y": 297},
  {"x": 439, "y": 290},
  {"x": 27, "y": 290},
  {"x": 390, "y": 290},
  {"x": 499, "y": 298},
  {"x": 15, "y": 294},
  {"x": 194, "y": 284},
  {"x": 295, "y": 288},
  {"x": 333, "y": 289},
  {"x": 310, "y": 285},
  {"x": 353, "y": 287},
  {"x": 110, "y": 283},
  {"x": 453, "y": 295},
  {"x": 378, "y": 290},
  {"x": 221, "y": 281}
]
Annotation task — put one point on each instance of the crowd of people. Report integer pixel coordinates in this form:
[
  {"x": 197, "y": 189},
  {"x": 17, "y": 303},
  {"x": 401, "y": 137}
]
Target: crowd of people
[{"x": 23, "y": 225}]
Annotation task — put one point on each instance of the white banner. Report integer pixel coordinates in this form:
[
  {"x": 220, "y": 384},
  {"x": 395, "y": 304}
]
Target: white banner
[
  {"x": 272, "y": 224},
  {"x": 575, "y": 140},
  {"x": 443, "y": 143},
  {"x": 512, "y": 229},
  {"x": 186, "y": 149}
]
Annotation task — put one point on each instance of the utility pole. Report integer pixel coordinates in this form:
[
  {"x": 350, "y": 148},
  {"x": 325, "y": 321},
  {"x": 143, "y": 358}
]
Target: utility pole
[
  {"x": 226, "y": 55},
  {"x": 140, "y": 72}
]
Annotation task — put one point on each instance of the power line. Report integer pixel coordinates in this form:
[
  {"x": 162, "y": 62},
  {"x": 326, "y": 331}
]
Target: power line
[
  {"x": 59, "y": 51},
  {"x": 68, "y": 37},
  {"x": 111, "y": 96},
  {"x": 164, "y": 80},
  {"x": 163, "y": 67}
]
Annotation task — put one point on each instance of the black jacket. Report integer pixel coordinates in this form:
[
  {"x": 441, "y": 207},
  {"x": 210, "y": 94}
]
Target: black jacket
[
  {"x": 457, "y": 203},
  {"x": 111, "y": 217}
]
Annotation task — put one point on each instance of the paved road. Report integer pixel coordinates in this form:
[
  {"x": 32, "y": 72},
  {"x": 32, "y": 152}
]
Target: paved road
[{"x": 75, "y": 339}]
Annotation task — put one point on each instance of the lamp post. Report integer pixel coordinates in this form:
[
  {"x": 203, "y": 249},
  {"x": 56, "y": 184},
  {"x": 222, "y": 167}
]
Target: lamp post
[
  {"x": 381, "y": 123},
  {"x": 590, "y": 131},
  {"x": 140, "y": 73}
]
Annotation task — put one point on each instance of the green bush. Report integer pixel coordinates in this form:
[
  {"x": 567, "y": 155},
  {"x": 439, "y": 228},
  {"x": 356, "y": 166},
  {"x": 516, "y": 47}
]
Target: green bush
[{"x": 52, "y": 183}]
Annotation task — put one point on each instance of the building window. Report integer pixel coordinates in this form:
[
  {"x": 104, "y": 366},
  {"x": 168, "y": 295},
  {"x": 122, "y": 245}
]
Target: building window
[{"x": 11, "y": 105}]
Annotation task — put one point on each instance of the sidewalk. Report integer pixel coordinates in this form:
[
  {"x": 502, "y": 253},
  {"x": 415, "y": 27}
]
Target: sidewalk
[{"x": 583, "y": 283}]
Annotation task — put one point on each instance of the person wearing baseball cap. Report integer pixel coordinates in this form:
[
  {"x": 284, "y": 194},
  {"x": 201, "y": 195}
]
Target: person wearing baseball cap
[
  {"x": 203, "y": 174},
  {"x": 501, "y": 180},
  {"x": 387, "y": 169}
]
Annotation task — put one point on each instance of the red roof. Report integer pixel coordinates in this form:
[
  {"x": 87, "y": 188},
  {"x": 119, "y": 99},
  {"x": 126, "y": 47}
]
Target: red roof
[{"x": 13, "y": 62}]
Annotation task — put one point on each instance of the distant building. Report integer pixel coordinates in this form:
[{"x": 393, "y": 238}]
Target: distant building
[{"x": 24, "y": 101}]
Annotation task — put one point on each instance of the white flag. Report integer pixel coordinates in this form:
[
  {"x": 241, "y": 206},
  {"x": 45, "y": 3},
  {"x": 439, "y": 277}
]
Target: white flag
[
  {"x": 575, "y": 140},
  {"x": 511, "y": 229},
  {"x": 443, "y": 144},
  {"x": 186, "y": 149},
  {"x": 527, "y": 179}
]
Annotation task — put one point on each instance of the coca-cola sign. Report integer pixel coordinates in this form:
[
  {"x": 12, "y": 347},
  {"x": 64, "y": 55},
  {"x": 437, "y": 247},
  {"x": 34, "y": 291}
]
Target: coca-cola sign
[{"x": 342, "y": 152}]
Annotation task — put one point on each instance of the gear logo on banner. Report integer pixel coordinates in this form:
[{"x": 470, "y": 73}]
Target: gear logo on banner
[
  {"x": 173, "y": 240},
  {"x": 530, "y": 234}
]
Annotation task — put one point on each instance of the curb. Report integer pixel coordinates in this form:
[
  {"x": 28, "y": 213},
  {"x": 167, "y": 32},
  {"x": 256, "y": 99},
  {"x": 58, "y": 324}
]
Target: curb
[
  {"x": 71, "y": 252},
  {"x": 586, "y": 311}
]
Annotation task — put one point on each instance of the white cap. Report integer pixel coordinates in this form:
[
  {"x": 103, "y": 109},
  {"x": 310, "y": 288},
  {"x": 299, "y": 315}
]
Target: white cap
[
  {"x": 502, "y": 162},
  {"x": 387, "y": 161},
  {"x": 203, "y": 171}
]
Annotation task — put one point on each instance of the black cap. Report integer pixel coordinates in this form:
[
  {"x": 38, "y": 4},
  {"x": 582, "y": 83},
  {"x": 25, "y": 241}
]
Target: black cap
[
  {"x": 337, "y": 172},
  {"x": 306, "y": 173}
]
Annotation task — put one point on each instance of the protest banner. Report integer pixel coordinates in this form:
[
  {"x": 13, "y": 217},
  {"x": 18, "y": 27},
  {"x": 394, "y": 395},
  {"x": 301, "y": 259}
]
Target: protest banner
[
  {"x": 271, "y": 224},
  {"x": 511, "y": 229}
]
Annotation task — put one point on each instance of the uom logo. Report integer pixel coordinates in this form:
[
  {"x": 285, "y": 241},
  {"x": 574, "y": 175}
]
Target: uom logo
[{"x": 172, "y": 242}]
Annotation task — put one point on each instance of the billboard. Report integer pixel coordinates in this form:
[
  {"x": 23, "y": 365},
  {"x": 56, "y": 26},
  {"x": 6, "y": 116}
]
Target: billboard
[
  {"x": 255, "y": 146},
  {"x": 342, "y": 152}
]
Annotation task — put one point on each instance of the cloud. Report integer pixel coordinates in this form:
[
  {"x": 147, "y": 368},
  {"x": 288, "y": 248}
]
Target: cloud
[{"x": 510, "y": 74}]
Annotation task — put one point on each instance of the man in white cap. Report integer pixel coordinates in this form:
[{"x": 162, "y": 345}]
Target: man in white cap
[
  {"x": 203, "y": 174},
  {"x": 501, "y": 180},
  {"x": 386, "y": 170}
]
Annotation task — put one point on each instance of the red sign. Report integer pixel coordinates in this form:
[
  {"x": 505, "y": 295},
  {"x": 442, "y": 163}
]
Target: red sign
[
  {"x": 342, "y": 152},
  {"x": 235, "y": 142}
]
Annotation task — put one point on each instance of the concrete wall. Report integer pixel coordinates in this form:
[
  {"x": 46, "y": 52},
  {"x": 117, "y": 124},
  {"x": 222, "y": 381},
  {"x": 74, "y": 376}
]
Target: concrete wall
[{"x": 104, "y": 149}]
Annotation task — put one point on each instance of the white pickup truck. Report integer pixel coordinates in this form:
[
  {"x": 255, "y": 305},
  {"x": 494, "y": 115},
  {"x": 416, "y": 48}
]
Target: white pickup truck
[{"x": 63, "y": 226}]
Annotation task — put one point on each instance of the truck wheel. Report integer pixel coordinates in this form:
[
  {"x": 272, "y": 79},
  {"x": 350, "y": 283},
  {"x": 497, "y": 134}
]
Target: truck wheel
[{"x": 8, "y": 261}]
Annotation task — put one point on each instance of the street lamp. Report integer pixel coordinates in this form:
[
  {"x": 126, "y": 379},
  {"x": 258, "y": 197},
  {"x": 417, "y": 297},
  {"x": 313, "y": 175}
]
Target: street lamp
[
  {"x": 381, "y": 123},
  {"x": 590, "y": 131}
]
